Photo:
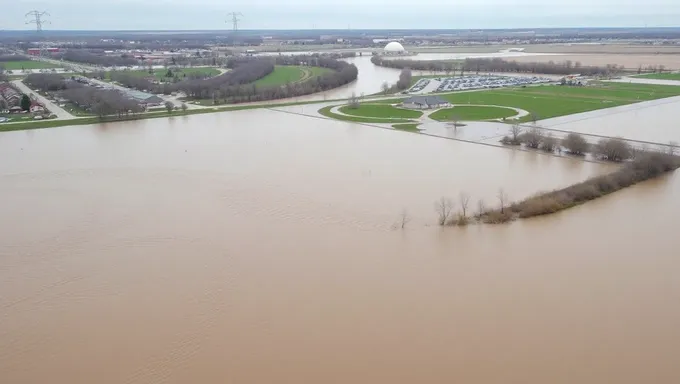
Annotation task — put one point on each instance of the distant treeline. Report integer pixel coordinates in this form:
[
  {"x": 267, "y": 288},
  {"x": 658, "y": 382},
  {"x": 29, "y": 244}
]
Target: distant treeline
[
  {"x": 5, "y": 58},
  {"x": 496, "y": 65},
  {"x": 88, "y": 57}
]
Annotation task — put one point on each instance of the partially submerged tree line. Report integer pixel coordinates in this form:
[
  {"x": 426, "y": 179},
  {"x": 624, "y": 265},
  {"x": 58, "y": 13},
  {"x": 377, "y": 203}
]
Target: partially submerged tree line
[{"x": 498, "y": 65}]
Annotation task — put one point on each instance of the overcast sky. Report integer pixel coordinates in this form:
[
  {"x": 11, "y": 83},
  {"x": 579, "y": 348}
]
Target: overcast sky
[{"x": 356, "y": 14}]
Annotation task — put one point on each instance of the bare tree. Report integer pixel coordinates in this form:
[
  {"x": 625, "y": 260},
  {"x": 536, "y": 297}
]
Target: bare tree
[
  {"x": 672, "y": 148},
  {"x": 534, "y": 117},
  {"x": 405, "y": 78},
  {"x": 549, "y": 143},
  {"x": 502, "y": 198},
  {"x": 615, "y": 149},
  {"x": 481, "y": 208},
  {"x": 464, "y": 200},
  {"x": 443, "y": 207},
  {"x": 385, "y": 88},
  {"x": 169, "y": 106},
  {"x": 455, "y": 120},
  {"x": 184, "y": 107},
  {"x": 532, "y": 138},
  {"x": 353, "y": 101},
  {"x": 575, "y": 144}
]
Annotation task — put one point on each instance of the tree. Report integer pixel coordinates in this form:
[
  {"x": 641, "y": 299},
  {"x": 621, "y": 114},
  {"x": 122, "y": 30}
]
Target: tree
[
  {"x": 385, "y": 87},
  {"x": 502, "y": 199},
  {"x": 532, "y": 138},
  {"x": 169, "y": 73},
  {"x": 25, "y": 102},
  {"x": 481, "y": 208},
  {"x": 455, "y": 120},
  {"x": 169, "y": 106},
  {"x": 672, "y": 148},
  {"x": 353, "y": 101},
  {"x": 613, "y": 149},
  {"x": 575, "y": 144},
  {"x": 534, "y": 117},
  {"x": 3, "y": 104},
  {"x": 464, "y": 200},
  {"x": 443, "y": 208},
  {"x": 549, "y": 143},
  {"x": 405, "y": 78},
  {"x": 184, "y": 107}
]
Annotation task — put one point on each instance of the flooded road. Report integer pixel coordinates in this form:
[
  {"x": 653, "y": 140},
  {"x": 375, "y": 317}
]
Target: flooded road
[{"x": 259, "y": 247}]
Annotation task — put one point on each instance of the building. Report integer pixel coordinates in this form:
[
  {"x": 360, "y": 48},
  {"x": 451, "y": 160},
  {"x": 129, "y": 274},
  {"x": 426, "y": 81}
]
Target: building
[
  {"x": 425, "y": 102},
  {"x": 394, "y": 48},
  {"x": 36, "y": 51}
]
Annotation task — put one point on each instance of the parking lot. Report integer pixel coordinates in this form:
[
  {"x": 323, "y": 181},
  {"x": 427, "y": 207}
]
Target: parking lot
[{"x": 449, "y": 84}]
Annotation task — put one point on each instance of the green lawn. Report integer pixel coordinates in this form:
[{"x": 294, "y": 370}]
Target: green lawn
[
  {"x": 26, "y": 64},
  {"x": 284, "y": 74},
  {"x": 471, "y": 113},
  {"x": 381, "y": 111},
  {"x": 660, "y": 76},
  {"x": 357, "y": 119}
]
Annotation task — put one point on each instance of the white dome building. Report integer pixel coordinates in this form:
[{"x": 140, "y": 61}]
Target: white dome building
[{"x": 394, "y": 48}]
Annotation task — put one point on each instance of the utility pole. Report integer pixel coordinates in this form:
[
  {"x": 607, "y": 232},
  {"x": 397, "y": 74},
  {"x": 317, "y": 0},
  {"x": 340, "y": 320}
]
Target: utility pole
[
  {"x": 234, "y": 21},
  {"x": 37, "y": 18}
]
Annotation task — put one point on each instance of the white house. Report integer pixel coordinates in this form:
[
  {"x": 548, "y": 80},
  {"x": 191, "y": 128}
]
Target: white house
[{"x": 425, "y": 102}]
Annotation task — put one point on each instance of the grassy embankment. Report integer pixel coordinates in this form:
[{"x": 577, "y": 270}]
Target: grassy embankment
[
  {"x": 408, "y": 127},
  {"x": 660, "y": 76},
  {"x": 326, "y": 111},
  {"x": 26, "y": 64},
  {"x": 472, "y": 113},
  {"x": 552, "y": 101},
  {"x": 381, "y": 111}
]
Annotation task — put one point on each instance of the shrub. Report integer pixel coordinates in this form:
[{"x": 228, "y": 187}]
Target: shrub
[
  {"x": 575, "y": 144},
  {"x": 549, "y": 144},
  {"x": 532, "y": 138},
  {"x": 613, "y": 150},
  {"x": 496, "y": 217}
]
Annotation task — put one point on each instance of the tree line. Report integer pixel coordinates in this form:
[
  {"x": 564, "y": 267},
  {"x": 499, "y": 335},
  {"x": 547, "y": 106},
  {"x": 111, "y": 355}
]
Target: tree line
[
  {"x": 101, "y": 102},
  {"x": 496, "y": 65},
  {"x": 87, "y": 57},
  {"x": 5, "y": 58}
]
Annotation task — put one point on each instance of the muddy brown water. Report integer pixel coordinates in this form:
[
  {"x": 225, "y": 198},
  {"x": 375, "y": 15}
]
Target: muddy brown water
[{"x": 258, "y": 247}]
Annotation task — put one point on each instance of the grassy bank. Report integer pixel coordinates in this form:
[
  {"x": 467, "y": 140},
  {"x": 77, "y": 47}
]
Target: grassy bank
[
  {"x": 326, "y": 111},
  {"x": 408, "y": 127},
  {"x": 472, "y": 113},
  {"x": 284, "y": 74},
  {"x": 382, "y": 111},
  {"x": 645, "y": 166}
]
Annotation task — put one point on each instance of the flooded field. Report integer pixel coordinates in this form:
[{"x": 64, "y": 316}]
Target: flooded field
[
  {"x": 260, "y": 247},
  {"x": 630, "y": 61}
]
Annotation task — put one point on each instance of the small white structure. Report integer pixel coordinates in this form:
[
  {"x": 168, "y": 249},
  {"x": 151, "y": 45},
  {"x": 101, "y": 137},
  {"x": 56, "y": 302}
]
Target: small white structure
[
  {"x": 394, "y": 48},
  {"x": 425, "y": 102}
]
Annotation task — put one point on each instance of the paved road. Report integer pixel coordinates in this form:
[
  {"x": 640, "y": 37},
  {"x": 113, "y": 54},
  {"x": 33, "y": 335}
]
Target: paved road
[{"x": 57, "y": 110}]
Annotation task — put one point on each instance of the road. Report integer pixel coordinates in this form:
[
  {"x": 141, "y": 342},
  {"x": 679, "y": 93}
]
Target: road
[{"x": 55, "y": 109}]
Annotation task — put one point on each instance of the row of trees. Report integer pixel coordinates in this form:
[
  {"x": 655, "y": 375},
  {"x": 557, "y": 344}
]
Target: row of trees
[
  {"x": 497, "y": 65},
  {"x": 48, "y": 82},
  {"x": 87, "y": 57},
  {"x": 13, "y": 58}
]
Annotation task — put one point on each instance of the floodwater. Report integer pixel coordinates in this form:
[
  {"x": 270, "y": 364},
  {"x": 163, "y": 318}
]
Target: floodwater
[
  {"x": 652, "y": 121},
  {"x": 260, "y": 247},
  {"x": 461, "y": 56}
]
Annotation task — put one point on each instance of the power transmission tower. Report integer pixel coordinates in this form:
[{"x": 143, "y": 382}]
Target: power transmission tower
[
  {"x": 37, "y": 18},
  {"x": 234, "y": 21}
]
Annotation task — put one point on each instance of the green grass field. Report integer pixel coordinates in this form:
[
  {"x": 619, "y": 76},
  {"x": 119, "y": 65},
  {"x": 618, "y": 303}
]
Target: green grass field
[
  {"x": 660, "y": 76},
  {"x": 357, "y": 119},
  {"x": 26, "y": 64},
  {"x": 284, "y": 74},
  {"x": 472, "y": 113},
  {"x": 553, "y": 100},
  {"x": 381, "y": 111}
]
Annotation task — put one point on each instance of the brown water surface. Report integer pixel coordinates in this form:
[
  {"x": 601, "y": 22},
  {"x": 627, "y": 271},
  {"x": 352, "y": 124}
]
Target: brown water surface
[{"x": 258, "y": 247}]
